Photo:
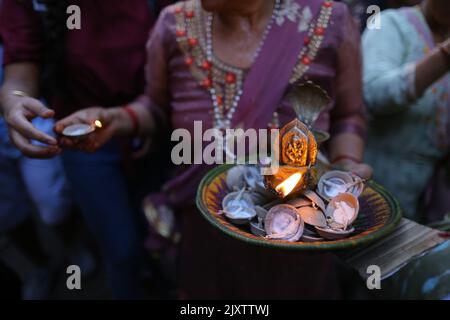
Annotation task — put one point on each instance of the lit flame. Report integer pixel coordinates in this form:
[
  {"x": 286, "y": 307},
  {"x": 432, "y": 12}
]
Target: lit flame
[
  {"x": 98, "y": 123},
  {"x": 289, "y": 184}
]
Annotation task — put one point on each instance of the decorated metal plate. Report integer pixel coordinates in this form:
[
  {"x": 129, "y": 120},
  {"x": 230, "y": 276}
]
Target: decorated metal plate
[{"x": 380, "y": 213}]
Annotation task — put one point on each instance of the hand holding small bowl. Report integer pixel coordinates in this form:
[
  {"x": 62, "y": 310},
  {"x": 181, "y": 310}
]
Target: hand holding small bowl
[
  {"x": 19, "y": 110},
  {"x": 362, "y": 170},
  {"x": 87, "y": 129}
]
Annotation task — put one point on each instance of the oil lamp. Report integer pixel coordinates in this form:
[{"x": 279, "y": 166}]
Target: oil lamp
[{"x": 81, "y": 130}]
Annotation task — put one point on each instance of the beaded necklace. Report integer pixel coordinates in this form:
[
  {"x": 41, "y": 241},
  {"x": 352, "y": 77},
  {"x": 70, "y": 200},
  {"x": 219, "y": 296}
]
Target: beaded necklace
[
  {"x": 233, "y": 92},
  {"x": 224, "y": 82}
]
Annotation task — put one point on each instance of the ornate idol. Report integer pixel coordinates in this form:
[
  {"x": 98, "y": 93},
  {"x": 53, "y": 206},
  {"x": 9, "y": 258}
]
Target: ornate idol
[{"x": 298, "y": 145}]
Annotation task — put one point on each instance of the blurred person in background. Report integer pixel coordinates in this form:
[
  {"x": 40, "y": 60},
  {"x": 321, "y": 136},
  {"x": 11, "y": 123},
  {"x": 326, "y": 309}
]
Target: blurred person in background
[
  {"x": 359, "y": 8},
  {"x": 407, "y": 91},
  {"x": 99, "y": 65},
  {"x": 30, "y": 185}
]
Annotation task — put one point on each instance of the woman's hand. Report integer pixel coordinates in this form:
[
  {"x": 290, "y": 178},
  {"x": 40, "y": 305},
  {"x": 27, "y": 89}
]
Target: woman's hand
[
  {"x": 112, "y": 121},
  {"x": 346, "y": 151},
  {"x": 360, "y": 169},
  {"x": 18, "y": 113}
]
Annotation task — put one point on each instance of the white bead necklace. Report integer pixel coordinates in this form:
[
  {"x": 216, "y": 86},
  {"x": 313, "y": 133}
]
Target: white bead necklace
[{"x": 223, "y": 121}]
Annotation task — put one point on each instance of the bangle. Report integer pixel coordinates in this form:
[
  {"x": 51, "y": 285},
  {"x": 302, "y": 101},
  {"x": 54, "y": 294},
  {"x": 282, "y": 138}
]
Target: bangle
[
  {"x": 19, "y": 93},
  {"x": 345, "y": 157},
  {"x": 134, "y": 119}
]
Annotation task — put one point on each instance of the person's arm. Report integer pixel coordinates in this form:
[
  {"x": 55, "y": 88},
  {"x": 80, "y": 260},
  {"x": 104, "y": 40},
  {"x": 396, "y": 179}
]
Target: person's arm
[
  {"x": 147, "y": 113},
  {"x": 432, "y": 67},
  {"x": 390, "y": 84},
  {"x": 20, "y": 32},
  {"x": 19, "y": 107},
  {"x": 348, "y": 121}
]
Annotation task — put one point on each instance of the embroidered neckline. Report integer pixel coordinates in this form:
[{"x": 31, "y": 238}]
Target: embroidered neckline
[
  {"x": 312, "y": 41},
  {"x": 225, "y": 80}
]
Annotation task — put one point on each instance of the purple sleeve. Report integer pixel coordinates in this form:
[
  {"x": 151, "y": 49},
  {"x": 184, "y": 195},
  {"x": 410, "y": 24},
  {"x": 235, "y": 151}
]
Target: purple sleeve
[
  {"x": 349, "y": 113},
  {"x": 20, "y": 29},
  {"x": 159, "y": 46}
]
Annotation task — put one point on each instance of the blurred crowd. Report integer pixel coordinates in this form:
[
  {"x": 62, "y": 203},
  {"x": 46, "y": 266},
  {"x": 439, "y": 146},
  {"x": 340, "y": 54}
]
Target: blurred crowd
[{"x": 114, "y": 204}]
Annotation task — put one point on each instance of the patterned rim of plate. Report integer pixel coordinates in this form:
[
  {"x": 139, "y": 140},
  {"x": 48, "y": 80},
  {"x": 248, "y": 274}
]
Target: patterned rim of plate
[{"x": 362, "y": 238}]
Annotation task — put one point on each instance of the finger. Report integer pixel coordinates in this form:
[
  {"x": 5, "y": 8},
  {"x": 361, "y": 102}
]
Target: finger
[
  {"x": 70, "y": 120},
  {"x": 363, "y": 170},
  {"x": 18, "y": 122},
  {"x": 97, "y": 113},
  {"x": 37, "y": 108},
  {"x": 31, "y": 150},
  {"x": 83, "y": 144},
  {"x": 66, "y": 142}
]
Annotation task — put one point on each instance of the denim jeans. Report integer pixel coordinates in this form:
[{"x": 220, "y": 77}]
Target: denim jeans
[
  {"x": 27, "y": 183},
  {"x": 100, "y": 189}
]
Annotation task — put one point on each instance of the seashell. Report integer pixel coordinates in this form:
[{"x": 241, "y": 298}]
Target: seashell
[
  {"x": 310, "y": 238},
  {"x": 283, "y": 222},
  {"x": 272, "y": 203},
  {"x": 299, "y": 146},
  {"x": 263, "y": 191},
  {"x": 238, "y": 207},
  {"x": 257, "y": 229},
  {"x": 339, "y": 208},
  {"x": 257, "y": 198},
  {"x": 310, "y": 230},
  {"x": 243, "y": 176},
  {"x": 357, "y": 186},
  {"x": 332, "y": 234},
  {"x": 236, "y": 178},
  {"x": 255, "y": 180},
  {"x": 241, "y": 196},
  {"x": 253, "y": 177},
  {"x": 261, "y": 212},
  {"x": 78, "y": 130},
  {"x": 299, "y": 202},
  {"x": 312, "y": 216},
  {"x": 315, "y": 199},
  {"x": 235, "y": 215},
  {"x": 335, "y": 182},
  {"x": 308, "y": 100},
  {"x": 310, "y": 234}
]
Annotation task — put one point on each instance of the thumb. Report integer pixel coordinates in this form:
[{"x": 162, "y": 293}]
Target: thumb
[{"x": 37, "y": 108}]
